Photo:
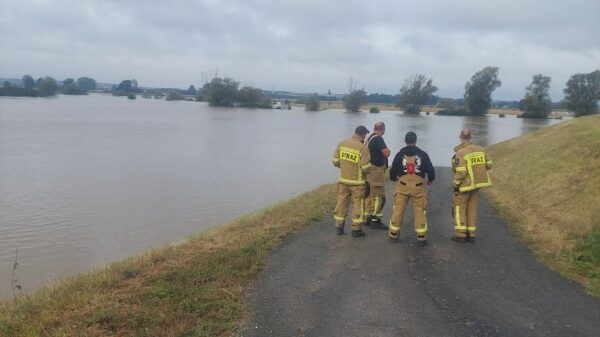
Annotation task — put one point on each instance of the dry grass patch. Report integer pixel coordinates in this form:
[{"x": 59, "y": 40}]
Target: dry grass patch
[
  {"x": 546, "y": 183},
  {"x": 191, "y": 288}
]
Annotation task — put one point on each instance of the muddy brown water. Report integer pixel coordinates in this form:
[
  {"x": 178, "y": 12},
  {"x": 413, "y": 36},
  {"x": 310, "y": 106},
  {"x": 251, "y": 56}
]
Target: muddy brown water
[{"x": 93, "y": 179}]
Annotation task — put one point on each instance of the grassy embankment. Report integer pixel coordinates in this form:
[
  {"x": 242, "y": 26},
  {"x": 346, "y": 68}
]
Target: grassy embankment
[
  {"x": 547, "y": 184},
  {"x": 190, "y": 288}
]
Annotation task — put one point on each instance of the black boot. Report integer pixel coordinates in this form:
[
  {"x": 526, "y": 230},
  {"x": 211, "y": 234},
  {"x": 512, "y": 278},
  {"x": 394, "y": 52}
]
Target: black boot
[
  {"x": 470, "y": 238},
  {"x": 358, "y": 233},
  {"x": 369, "y": 220},
  {"x": 459, "y": 239},
  {"x": 377, "y": 224}
]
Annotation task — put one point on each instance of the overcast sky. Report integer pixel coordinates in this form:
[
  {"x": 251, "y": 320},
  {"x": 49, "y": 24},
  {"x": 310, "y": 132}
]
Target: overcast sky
[{"x": 302, "y": 45}]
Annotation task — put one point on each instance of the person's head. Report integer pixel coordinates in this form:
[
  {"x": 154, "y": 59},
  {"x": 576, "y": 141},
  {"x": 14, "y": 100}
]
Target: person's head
[
  {"x": 361, "y": 131},
  {"x": 379, "y": 128},
  {"x": 465, "y": 134},
  {"x": 410, "y": 138}
]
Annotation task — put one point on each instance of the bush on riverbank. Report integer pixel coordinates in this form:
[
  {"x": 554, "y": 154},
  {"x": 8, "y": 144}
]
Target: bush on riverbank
[
  {"x": 190, "y": 288},
  {"x": 452, "y": 112},
  {"x": 174, "y": 96},
  {"x": 546, "y": 183}
]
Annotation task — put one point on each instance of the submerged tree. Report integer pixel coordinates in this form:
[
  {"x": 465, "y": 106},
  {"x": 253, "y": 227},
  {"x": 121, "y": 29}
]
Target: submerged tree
[
  {"x": 478, "y": 91},
  {"x": 415, "y": 91},
  {"x": 28, "y": 82},
  {"x": 250, "y": 97},
  {"x": 582, "y": 93},
  {"x": 86, "y": 83},
  {"x": 312, "y": 103},
  {"x": 125, "y": 86},
  {"x": 537, "y": 103},
  {"x": 47, "y": 86},
  {"x": 70, "y": 87},
  {"x": 221, "y": 92},
  {"x": 355, "y": 98},
  {"x": 192, "y": 90},
  {"x": 174, "y": 96}
]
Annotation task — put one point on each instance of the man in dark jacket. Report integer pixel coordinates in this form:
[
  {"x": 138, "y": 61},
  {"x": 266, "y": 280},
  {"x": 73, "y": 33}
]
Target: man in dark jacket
[
  {"x": 409, "y": 168},
  {"x": 379, "y": 160}
]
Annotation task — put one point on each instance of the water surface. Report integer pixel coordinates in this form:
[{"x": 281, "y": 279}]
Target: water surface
[{"x": 92, "y": 179}]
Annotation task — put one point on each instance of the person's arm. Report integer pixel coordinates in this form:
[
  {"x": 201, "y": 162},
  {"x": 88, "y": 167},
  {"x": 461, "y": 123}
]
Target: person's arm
[
  {"x": 381, "y": 147},
  {"x": 384, "y": 149},
  {"x": 336, "y": 157},
  {"x": 430, "y": 170},
  {"x": 460, "y": 172},
  {"x": 395, "y": 165},
  {"x": 365, "y": 159}
]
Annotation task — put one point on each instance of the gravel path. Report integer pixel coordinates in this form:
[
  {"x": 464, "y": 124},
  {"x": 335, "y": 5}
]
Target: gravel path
[{"x": 321, "y": 284}]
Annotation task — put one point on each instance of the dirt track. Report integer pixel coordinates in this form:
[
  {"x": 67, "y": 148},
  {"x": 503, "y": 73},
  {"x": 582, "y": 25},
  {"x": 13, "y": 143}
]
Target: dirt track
[{"x": 321, "y": 284}]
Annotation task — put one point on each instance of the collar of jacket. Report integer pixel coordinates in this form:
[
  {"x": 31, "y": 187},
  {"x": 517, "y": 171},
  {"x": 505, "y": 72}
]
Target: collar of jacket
[
  {"x": 462, "y": 145},
  {"x": 356, "y": 137}
]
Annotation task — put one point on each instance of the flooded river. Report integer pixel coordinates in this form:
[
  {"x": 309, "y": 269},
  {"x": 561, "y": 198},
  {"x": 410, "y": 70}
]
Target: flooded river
[{"x": 92, "y": 179}]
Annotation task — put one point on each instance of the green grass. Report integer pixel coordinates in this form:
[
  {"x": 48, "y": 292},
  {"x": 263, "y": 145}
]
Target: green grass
[
  {"x": 546, "y": 184},
  {"x": 190, "y": 288}
]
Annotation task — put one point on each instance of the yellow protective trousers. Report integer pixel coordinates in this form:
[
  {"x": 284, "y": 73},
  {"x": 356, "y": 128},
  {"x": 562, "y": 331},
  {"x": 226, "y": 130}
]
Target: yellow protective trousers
[
  {"x": 356, "y": 193},
  {"x": 464, "y": 213},
  {"x": 376, "y": 198},
  {"x": 375, "y": 201},
  {"x": 409, "y": 187}
]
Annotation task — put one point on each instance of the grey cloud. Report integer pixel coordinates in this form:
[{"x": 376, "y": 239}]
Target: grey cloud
[{"x": 302, "y": 45}]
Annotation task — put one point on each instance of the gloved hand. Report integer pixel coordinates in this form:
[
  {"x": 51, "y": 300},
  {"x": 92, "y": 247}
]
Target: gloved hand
[{"x": 456, "y": 190}]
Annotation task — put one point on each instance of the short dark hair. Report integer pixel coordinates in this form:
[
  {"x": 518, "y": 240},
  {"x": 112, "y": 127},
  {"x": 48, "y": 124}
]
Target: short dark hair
[
  {"x": 361, "y": 130},
  {"x": 410, "y": 138}
]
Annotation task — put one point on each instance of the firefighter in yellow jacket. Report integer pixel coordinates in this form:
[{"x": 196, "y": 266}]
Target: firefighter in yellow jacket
[
  {"x": 470, "y": 165},
  {"x": 353, "y": 159}
]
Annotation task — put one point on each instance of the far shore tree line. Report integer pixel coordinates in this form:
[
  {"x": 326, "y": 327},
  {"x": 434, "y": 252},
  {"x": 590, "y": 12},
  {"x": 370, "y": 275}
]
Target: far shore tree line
[
  {"x": 582, "y": 93},
  {"x": 47, "y": 86},
  {"x": 217, "y": 92}
]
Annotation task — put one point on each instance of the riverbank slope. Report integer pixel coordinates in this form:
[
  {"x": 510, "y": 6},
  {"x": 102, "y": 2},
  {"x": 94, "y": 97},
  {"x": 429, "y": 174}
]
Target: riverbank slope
[
  {"x": 191, "y": 288},
  {"x": 546, "y": 185}
]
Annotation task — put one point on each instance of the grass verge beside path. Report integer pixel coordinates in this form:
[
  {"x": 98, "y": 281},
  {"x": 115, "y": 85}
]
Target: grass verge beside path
[
  {"x": 547, "y": 185},
  {"x": 191, "y": 288}
]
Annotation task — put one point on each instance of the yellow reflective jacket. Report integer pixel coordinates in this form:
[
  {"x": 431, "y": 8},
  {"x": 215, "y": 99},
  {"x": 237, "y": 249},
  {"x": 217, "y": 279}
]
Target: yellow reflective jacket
[
  {"x": 353, "y": 159},
  {"x": 470, "y": 165}
]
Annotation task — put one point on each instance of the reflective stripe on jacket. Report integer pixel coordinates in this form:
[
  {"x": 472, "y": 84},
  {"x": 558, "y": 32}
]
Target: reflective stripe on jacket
[
  {"x": 470, "y": 165},
  {"x": 353, "y": 159}
]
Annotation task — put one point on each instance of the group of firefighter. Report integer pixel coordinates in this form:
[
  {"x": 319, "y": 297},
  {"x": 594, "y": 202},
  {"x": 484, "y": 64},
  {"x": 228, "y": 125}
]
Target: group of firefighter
[{"x": 363, "y": 162}]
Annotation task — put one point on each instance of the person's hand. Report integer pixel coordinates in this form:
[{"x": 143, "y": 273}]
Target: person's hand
[
  {"x": 456, "y": 189},
  {"x": 429, "y": 182}
]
